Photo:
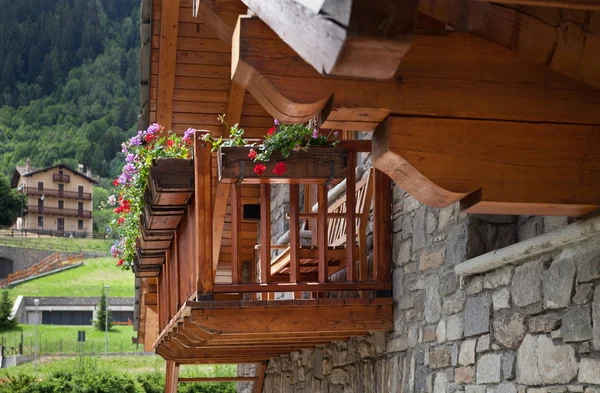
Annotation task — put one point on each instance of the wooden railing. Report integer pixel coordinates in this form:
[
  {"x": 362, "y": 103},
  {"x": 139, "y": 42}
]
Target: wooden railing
[
  {"x": 49, "y": 264},
  {"x": 87, "y": 196},
  {"x": 55, "y": 211},
  {"x": 61, "y": 178}
]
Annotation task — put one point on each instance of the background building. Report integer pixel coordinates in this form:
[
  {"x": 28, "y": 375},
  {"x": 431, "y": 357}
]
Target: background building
[{"x": 57, "y": 198}]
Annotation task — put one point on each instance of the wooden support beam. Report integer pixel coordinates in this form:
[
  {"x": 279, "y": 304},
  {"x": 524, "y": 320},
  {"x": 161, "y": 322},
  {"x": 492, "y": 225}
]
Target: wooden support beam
[
  {"x": 343, "y": 37},
  {"x": 382, "y": 231},
  {"x": 294, "y": 232},
  {"x": 172, "y": 377},
  {"x": 220, "y": 211},
  {"x": 235, "y": 102},
  {"x": 322, "y": 234},
  {"x": 221, "y": 16},
  {"x": 236, "y": 234},
  {"x": 219, "y": 379},
  {"x": 260, "y": 372},
  {"x": 590, "y": 5},
  {"x": 350, "y": 216},
  {"x": 493, "y": 167},
  {"x": 169, "y": 26},
  {"x": 552, "y": 38},
  {"x": 204, "y": 214},
  {"x": 454, "y": 75},
  {"x": 265, "y": 233}
]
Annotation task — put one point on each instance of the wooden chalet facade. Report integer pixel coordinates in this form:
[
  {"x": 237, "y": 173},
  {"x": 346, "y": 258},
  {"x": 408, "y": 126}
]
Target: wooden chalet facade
[{"x": 493, "y": 106}]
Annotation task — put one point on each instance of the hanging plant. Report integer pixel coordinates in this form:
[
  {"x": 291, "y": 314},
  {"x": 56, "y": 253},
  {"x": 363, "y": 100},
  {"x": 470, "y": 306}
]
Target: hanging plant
[
  {"x": 128, "y": 201},
  {"x": 282, "y": 138}
]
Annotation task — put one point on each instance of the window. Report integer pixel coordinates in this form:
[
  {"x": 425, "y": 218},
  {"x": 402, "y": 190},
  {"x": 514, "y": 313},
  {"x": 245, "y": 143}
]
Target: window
[
  {"x": 80, "y": 225},
  {"x": 61, "y": 204},
  {"x": 61, "y": 190},
  {"x": 40, "y": 221},
  {"x": 40, "y": 186},
  {"x": 80, "y": 192}
]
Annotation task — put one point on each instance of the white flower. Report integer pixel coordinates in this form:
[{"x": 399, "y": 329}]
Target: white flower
[{"x": 112, "y": 200}]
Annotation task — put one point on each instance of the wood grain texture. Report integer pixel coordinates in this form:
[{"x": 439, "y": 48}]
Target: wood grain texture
[
  {"x": 382, "y": 231},
  {"x": 493, "y": 167},
  {"x": 454, "y": 75},
  {"x": 344, "y": 37},
  {"x": 166, "y": 72}
]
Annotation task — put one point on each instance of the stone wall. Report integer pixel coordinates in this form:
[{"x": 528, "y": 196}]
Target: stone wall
[
  {"x": 534, "y": 327},
  {"x": 24, "y": 258}
]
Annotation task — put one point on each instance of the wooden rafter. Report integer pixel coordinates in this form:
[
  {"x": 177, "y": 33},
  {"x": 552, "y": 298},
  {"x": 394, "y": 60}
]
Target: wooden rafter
[
  {"x": 574, "y": 4},
  {"x": 456, "y": 75},
  {"x": 493, "y": 167},
  {"x": 167, "y": 59},
  {"x": 343, "y": 37}
]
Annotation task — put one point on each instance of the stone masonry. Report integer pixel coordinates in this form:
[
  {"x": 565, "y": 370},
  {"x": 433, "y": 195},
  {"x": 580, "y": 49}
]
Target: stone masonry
[{"x": 530, "y": 328}]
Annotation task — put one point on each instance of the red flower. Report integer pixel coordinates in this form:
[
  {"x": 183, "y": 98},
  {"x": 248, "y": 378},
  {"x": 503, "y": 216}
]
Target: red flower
[
  {"x": 280, "y": 169},
  {"x": 121, "y": 220},
  {"x": 259, "y": 169},
  {"x": 252, "y": 154},
  {"x": 169, "y": 143},
  {"x": 120, "y": 262},
  {"x": 271, "y": 131},
  {"x": 188, "y": 140},
  {"x": 118, "y": 209},
  {"x": 150, "y": 138},
  {"x": 116, "y": 182}
]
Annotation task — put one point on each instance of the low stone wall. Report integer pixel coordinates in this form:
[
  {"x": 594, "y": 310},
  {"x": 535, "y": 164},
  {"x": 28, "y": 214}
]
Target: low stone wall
[{"x": 24, "y": 258}]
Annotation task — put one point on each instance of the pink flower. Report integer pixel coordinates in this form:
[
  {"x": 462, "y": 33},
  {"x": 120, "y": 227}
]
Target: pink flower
[
  {"x": 259, "y": 169},
  {"x": 280, "y": 169},
  {"x": 252, "y": 154}
]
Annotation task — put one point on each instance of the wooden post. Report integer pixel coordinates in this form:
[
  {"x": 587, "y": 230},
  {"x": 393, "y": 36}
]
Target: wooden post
[
  {"x": 350, "y": 215},
  {"x": 204, "y": 213},
  {"x": 382, "y": 229},
  {"x": 169, "y": 27},
  {"x": 265, "y": 233},
  {"x": 260, "y": 373},
  {"x": 236, "y": 234},
  {"x": 322, "y": 238},
  {"x": 294, "y": 232},
  {"x": 172, "y": 377}
]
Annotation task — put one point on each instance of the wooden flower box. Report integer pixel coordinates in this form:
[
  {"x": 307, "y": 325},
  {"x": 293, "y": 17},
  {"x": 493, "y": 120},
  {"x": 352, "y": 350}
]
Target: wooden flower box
[
  {"x": 150, "y": 257},
  {"x": 171, "y": 182},
  {"x": 320, "y": 164},
  {"x": 145, "y": 270},
  {"x": 153, "y": 240}
]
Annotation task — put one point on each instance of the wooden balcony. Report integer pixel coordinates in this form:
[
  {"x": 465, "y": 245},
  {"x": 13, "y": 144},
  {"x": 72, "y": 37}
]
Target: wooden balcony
[
  {"x": 54, "y": 211},
  {"x": 85, "y": 196},
  {"x": 215, "y": 286},
  {"x": 61, "y": 178}
]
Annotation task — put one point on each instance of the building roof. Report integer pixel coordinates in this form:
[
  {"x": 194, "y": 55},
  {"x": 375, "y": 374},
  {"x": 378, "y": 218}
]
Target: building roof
[
  {"x": 20, "y": 171},
  {"x": 77, "y": 301}
]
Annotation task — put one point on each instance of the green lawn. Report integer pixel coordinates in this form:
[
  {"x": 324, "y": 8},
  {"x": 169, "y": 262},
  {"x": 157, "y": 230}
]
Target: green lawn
[
  {"x": 58, "y": 244},
  {"x": 128, "y": 364},
  {"x": 87, "y": 280},
  {"x": 54, "y": 339}
]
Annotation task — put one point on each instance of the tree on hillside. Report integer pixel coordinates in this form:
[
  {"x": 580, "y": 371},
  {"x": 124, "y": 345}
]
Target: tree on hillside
[
  {"x": 100, "y": 322},
  {"x": 10, "y": 204},
  {"x": 5, "y": 310}
]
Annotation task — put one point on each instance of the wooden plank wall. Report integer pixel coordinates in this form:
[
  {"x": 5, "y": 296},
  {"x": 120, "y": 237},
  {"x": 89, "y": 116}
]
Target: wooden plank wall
[
  {"x": 186, "y": 254},
  {"x": 202, "y": 78}
]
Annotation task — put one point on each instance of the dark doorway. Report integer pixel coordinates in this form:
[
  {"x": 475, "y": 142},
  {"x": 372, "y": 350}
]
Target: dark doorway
[{"x": 6, "y": 267}]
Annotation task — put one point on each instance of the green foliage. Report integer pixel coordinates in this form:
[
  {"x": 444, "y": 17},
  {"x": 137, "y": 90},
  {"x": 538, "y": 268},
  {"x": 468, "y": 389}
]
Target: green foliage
[
  {"x": 101, "y": 217},
  {"x": 68, "y": 81},
  {"x": 10, "y": 204},
  {"x": 103, "y": 315},
  {"x": 5, "y": 309}
]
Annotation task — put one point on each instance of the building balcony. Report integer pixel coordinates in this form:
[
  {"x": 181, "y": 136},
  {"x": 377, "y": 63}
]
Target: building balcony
[
  {"x": 54, "y": 211},
  {"x": 61, "y": 178},
  {"x": 86, "y": 196}
]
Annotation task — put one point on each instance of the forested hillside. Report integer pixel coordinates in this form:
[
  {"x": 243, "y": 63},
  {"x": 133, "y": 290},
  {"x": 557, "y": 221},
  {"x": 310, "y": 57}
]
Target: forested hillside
[{"x": 68, "y": 81}]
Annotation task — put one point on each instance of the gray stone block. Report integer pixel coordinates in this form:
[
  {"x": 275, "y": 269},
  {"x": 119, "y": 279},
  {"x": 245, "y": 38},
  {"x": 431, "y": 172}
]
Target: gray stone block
[
  {"x": 483, "y": 344},
  {"x": 584, "y": 293},
  {"x": 454, "y": 303},
  {"x": 466, "y": 355},
  {"x": 576, "y": 324},
  {"x": 507, "y": 388},
  {"x": 433, "y": 301},
  {"x": 509, "y": 330},
  {"x": 545, "y": 323},
  {"x": 540, "y": 362},
  {"x": 489, "y": 368},
  {"x": 596, "y": 319},
  {"x": 454, "y": 327},
  {"x": 497, "y": 278},
  {"x": 589, "y": 371},
  {"x": 508, "y": 365},
  {"x": 448, "y": 283},
  {"x": 501, "y": 299},
  {"x": 477, "y": 315},
  {"x": 439, "y": 357},
  {"x": 526, "y": 283},
  {"x": 558, "y": 283}
]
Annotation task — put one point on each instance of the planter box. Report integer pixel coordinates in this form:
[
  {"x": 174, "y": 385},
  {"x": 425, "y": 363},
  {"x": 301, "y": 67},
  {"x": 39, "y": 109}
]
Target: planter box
[
  {"x": 153, "y": 240},
  {"x": 171, "y": 182},
  {"x": 320, "y": 164},
  {"x": 144, "y": 257},
  {"x": 146, "y": 270},
  {"x": 159, "y": 218}
]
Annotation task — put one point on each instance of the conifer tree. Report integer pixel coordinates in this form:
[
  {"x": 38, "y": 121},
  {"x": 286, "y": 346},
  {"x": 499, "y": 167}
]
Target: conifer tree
[
  {"x": 5, "y": 310},
  {"x": 100, "y": 322}
]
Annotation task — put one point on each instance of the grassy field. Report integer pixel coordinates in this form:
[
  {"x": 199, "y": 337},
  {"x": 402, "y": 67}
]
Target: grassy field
[
  {"x": 86, "y": 280},
  {"x": 127, "y": 364},
  {"x": 58, "y": 244},
  {"x": 55, "y": 339}
]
